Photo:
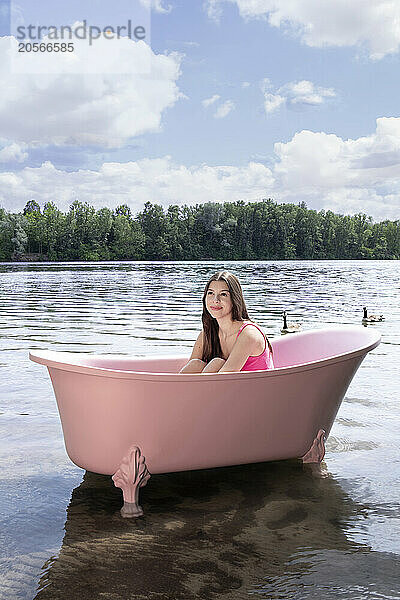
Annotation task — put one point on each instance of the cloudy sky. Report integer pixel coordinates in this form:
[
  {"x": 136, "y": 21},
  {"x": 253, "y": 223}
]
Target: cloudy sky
[{"x": 297, "y": 100}]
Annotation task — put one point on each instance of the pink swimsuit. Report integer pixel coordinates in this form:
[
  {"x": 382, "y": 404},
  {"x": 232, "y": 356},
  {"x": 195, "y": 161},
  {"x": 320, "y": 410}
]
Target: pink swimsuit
[{"x": 263, "y": 361}]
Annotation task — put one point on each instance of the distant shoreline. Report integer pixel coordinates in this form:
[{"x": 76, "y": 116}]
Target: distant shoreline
[
  {"x": 215, "y": 260},
  {"x": 233, "y": 231}
]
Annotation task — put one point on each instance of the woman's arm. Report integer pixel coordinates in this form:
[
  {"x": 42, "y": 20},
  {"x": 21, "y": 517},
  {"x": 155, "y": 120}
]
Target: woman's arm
[
  {"x": 197, "y": 351},
  {"x": 247, "y": 344},
  {"x": 195, "y": 364}
]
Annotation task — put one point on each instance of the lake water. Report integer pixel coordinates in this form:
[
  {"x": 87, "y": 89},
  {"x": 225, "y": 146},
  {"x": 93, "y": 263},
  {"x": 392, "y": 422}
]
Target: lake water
[{"x": 269, "y": 531}]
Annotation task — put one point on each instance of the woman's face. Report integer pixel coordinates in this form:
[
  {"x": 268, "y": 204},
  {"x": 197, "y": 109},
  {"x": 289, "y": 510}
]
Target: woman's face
[{"x": 218, "y": 299}]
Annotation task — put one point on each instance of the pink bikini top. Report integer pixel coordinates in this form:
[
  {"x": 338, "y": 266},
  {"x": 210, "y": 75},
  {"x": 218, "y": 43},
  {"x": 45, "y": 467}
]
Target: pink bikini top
[{"x": 262, "y": 361}]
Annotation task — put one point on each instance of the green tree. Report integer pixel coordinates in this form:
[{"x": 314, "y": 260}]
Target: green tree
[
  {"x": 80, "y": 230},
  {"x": 34, "y": 227},
  {"x": 53, "y": 226},
  {"x": 31, "y": 207},
  {"x": 123, "y": 209},
  {"x": 175, "y": 233},
  {"x": 128, "y": 239},
  {"x": 229, "y": 231},
  {"x": 154, "y": 226},
  {"x": 13, "y": 237}
]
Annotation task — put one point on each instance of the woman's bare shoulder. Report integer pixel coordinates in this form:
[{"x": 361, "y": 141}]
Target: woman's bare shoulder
[
  {"x": 251, "y": 334},
  {"x": 251, "y": 329}
]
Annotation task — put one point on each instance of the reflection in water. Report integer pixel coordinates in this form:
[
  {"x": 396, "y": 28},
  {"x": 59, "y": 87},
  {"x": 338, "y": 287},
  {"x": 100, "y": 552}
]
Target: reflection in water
[{"x": 270, "y": 530}]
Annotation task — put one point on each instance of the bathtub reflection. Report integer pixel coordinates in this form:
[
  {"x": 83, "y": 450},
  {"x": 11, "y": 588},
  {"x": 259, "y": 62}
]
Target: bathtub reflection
[{"x": 220, "y": 533}]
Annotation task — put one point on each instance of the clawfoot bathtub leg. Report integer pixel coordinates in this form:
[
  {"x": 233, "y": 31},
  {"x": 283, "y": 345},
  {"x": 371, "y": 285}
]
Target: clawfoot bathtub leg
[
  {"x": 317, "y": 451},
  {"x": 131, "y": 475}
]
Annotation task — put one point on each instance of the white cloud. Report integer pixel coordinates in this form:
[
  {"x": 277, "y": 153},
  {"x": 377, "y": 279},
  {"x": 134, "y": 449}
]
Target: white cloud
[
  {"x": 294, "y": 93},
  {"x": 209, "y": 101},
  {"x": 326, "y": 171},
  {"x": 273, "y": 101},
  {"x": 157, "y": 5},
  {"x": 374, "y": 24},
  {"x": 134, "y": 183},
  {"x": 245, "y": 84},
  {"x": 13, "y": 153},
  {"x": 305, "y": 92},
  {"x": 103, "y": 108},
  {"x": 349, "y": 176},
  {"x": 213, "y": 9},
  {"x": 189, "y": 44},
  {"x": 224, "y": 109}
]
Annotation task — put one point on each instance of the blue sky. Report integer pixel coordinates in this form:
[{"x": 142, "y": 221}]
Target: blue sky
[
  {"x": 234, "y": 51},
  {"x": 243, "y": 100}
]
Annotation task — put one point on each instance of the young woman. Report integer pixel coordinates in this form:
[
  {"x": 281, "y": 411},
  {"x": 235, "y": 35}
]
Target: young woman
[{"x": 229, "y": 340}]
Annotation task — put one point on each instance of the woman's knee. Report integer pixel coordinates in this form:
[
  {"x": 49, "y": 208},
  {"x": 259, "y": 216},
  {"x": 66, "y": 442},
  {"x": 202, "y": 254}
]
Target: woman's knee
[
  {"x": 214, "y": 365},
  {"x": 195, "y": 365},
  {"x": 217, "y": 361}
]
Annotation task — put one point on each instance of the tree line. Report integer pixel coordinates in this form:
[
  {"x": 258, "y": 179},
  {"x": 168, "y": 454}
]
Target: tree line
[{"x": 261, "y": 230}]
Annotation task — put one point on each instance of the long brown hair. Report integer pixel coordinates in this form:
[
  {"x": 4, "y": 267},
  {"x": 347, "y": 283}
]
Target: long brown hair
[{"x": 211, "y": 343}]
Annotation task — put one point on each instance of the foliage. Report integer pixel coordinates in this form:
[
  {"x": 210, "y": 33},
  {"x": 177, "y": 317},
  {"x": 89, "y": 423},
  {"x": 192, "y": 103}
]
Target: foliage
[{"x": 231, "y": 231}]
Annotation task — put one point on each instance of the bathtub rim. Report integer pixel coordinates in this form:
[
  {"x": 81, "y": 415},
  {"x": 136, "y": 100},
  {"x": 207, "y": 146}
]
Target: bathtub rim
[{"x": 51, "y": 359}]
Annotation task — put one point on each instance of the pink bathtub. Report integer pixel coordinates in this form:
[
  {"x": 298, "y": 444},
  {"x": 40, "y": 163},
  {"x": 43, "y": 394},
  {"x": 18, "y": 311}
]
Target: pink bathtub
[{"x": 128, "y": 417}]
